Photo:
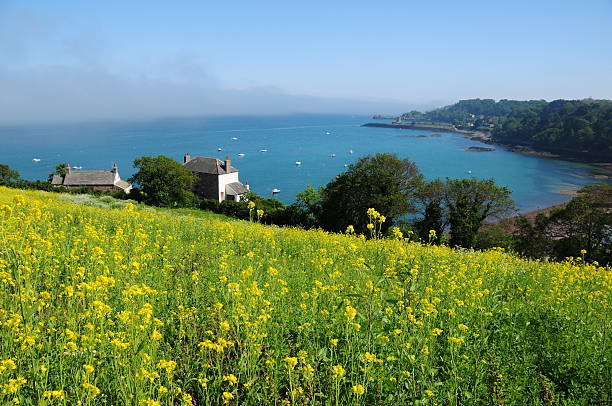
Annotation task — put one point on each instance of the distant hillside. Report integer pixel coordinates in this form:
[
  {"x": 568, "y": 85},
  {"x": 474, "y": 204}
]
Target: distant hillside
[
  {"x": 570, "y": 128},
  {"x": 472, "y": 113},
  {"x": 563, "y": 126}
]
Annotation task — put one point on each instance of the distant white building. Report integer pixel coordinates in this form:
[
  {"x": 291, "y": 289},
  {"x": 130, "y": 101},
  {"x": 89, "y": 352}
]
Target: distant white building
[{"x": 216, "y": 179}]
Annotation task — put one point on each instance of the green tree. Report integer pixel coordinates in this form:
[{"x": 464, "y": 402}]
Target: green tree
[
  {"x": 469, "y": 202},
  {"x": 383, "y": 182},
  {"x": 431, "y": 197},
  {"x": 530, "y": 239},
  {"x": 60, "y": 169},
  {"x": 7, "y": 174},
  {"x": 162, "y": 181},
  {"x": 308, "y": 203},
  {"x": 584, "y": 224}
]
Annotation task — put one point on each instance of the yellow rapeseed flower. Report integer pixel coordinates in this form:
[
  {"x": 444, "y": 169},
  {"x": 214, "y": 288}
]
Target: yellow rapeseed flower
[
  {"x": 92, "y": 389},
  {"x": 227, "y": 397},
  {"x": 231, "y": 378},
  {"x": 350, "y": 312},
  {"x": 338, "y": 371},
  {"x": 53, "y": 394},
  {"x": 291, "y": 362}
]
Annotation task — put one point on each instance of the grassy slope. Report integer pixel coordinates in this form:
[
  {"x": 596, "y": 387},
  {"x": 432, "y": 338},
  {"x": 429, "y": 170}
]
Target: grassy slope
[{"x": 137, "y": 306}]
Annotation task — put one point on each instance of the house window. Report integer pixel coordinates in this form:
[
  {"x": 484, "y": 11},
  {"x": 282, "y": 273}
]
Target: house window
[{"x": 231, "y": 197}]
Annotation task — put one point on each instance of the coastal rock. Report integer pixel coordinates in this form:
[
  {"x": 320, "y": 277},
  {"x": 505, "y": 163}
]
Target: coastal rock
[
  {"x": 479, "y": 149},
  {"x": 420, "y": 135}
]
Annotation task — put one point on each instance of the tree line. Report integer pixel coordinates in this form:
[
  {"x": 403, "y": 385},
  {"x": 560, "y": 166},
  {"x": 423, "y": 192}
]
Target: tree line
[
  {"x": 579, "y": 126},
  {"x": 467, "y": 111}
]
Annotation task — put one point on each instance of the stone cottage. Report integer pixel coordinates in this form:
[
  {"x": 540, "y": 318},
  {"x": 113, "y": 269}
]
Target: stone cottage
[
  {"x": 216, "y": 179},
  {"x": 96, "y": 180}
]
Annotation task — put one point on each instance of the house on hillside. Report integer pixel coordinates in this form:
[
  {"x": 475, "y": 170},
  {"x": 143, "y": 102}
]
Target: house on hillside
[
  {"x": 216, "y": 179},
  {"x": 96, "y": 180}
]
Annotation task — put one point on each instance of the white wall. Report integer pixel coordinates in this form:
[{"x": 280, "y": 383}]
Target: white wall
[{"x": 224, "y": 180}]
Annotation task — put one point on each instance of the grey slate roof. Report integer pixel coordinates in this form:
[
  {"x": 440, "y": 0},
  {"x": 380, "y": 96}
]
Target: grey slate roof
[
  {"x": 123, "y": 184},
  {"x": 211, "y": 166},
  {"x": 57, "y": 180},
  {"x": 235, "y": 188},
  {"x": 89, "y": 178}
]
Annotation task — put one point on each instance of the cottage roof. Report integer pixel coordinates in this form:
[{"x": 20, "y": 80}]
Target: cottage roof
[
  {"x": 89, "y": 178},
  {"x": 57, "y": 180},
  {"x": 235, "y": 188},
  {"x": 123, "y": 184},
  {"x": 211, "y": 166}
]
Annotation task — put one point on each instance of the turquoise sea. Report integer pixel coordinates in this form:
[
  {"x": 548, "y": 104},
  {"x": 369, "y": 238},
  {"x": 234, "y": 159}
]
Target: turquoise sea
[{"x": 310, "y": 139}]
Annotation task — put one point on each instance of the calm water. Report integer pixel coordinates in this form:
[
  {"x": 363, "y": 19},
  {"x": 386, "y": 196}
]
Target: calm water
[{"x": 311, "y": 139}]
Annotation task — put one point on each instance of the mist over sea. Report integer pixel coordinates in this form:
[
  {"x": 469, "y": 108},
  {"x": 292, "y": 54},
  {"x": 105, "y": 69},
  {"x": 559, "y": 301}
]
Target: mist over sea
[{"x": 310, "y": 139}]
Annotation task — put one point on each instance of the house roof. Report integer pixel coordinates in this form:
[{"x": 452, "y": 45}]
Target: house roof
[
  {"x": 211, "y": 166},
  {"x": 57, "y": 180},
  {"x": 89, "y": 178},
  {"x": 123, "y": 185},
  {"x": 235, "y": 188}
]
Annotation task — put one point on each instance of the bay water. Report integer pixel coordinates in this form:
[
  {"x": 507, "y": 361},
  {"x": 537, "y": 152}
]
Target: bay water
[{"x": 265, "y": 150}]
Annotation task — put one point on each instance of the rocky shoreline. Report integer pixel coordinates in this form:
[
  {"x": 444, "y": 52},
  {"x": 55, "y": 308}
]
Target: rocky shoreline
[{"x": 605, "y": 168}]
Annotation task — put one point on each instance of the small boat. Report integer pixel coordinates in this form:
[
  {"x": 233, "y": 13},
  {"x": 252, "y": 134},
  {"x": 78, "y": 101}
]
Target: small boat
[
  {"x": 241, "y": 155},
  {"x": 275, "y": 191},
  {"x": 351, "y": 151},
  {"x": 219, "y": 149},
  {"x": 469, "y": 172},
  {"x": 263, "y": 150},
  {"x": 298, "y": 163},
  {"x": 333, "y": 155},
  {"x": 35, "y": 159},
  {"x": 327, "y": 133},
  {"x": 346, "y": 165},
  {"x": 234, "y": 138},
  {"x": 77, "y": 167}
]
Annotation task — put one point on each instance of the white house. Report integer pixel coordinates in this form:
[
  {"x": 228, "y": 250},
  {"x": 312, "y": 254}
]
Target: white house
[{"x": 216, "y": 179}]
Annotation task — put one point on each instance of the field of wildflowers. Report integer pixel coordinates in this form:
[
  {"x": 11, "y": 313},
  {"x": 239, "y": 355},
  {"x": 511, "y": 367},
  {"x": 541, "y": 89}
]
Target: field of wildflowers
[{"x": 135, "y": 306}]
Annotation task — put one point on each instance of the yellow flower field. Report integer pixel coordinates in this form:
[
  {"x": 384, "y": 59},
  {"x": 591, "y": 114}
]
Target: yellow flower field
[{"x": 135, "y": 306}]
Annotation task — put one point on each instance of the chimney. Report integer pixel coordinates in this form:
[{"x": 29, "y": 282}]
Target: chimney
[
  {"x": 114, "y": 168},
  {"x": 227, "y": 163},
  {"x": 187, "y": 157},
  {"x": 67, "y": 168},
  {"x": 246, "y": 184}
]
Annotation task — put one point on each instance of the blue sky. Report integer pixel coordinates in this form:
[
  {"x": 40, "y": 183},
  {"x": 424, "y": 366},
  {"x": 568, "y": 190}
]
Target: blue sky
[{"x": 113, "y": 57}]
